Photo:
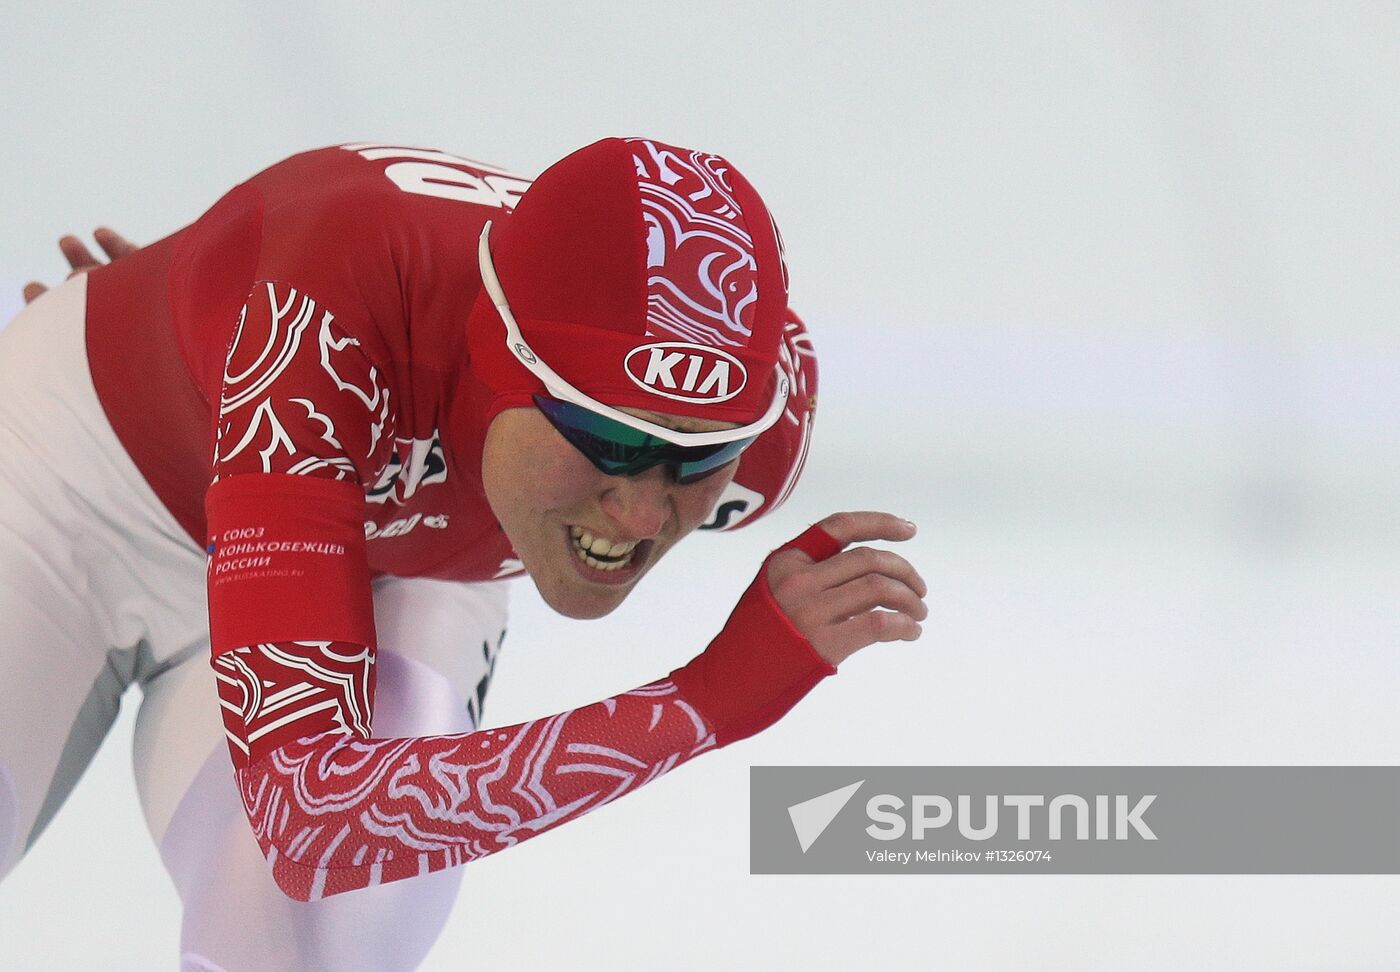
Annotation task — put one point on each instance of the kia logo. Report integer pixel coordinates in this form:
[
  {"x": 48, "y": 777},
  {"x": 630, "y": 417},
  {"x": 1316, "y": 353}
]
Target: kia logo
[{"x": 686, "y": 372}]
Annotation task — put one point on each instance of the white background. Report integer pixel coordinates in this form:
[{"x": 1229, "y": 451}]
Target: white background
[{"x": 1106, "y": 300}]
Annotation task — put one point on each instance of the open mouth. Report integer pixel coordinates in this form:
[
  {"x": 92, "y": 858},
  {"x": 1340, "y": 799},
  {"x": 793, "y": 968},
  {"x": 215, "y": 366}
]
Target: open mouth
[
  {"x": 600, "y": 553},
  {"x": 606, "y": 561}
]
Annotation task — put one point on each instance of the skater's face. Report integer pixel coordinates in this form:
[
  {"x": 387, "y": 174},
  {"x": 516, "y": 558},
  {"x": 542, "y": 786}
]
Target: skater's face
[{"x": 586, "y": 537}]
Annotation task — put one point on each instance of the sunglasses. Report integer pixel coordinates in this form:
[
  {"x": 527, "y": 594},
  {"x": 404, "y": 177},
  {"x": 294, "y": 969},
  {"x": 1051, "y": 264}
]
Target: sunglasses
[
  {"x": 620, "y": 450},
  {"x": 587, "y": 413}
]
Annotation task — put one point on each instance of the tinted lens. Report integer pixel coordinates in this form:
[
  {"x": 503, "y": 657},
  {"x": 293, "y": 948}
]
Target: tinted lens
[
  {"x": 697, "y": 469},
  {"x": 620, "y": 450}
]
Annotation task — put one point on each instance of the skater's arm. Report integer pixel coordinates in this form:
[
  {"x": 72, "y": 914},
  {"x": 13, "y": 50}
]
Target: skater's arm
[{"x": 334, "y": 810}]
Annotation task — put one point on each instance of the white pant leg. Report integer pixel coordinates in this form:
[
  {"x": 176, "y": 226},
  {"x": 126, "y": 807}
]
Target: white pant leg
[
  {"x": 58, "y": 695},
  {"x": 432, "y": 672},
  {"x": 94, "y": 573}
]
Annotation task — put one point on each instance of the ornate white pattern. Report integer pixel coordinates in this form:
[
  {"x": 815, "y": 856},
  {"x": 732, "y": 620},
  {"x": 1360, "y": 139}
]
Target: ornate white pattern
[
  {"x": 266, "y": 688},
  {"x": 282, "y": 394},
  {"x": 795, "y": 346},
  {"x": 335, "y": 810},
  {"x": 702, "y": 276},
  {"x": 374, "y": 396}
]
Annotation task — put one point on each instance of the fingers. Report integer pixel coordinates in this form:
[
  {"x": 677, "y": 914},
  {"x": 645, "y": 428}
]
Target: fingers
[
  {"x": 850, "y": 582},
  {"x": 850, "y": 564},
  {"x": 871, "y": 591},
  {"x": 858, "y": 527},
  {"x": 80, "y": 258},
  {"x": 856, "y": 597},
  {"x": 847, "y": 528},
  {"x": 870, "y": 608},
  {"x": 77, "y": 254},
  {"x": 863, "y": 630},
  {"x": 113, "y": 243}
]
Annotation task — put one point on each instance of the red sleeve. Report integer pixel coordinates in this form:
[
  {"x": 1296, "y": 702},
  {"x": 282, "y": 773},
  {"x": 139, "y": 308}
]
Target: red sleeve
[{"x": 337, "y": 811}]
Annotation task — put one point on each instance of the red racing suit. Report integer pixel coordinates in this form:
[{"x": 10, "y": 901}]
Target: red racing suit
[{"x": 290, "y": 374}]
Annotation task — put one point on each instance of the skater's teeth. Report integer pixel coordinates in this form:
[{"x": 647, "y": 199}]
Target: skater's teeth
[
  {"x": 601, "y": 553},
  {"x": 597, "y": 564},
  {"x": 604, "y": 547},
  {"x": 601, "y": 547}
]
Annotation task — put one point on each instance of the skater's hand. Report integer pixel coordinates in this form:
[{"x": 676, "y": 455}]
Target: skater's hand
[
  {"x": 80, "y": 258},
  {"x": 856, "y": 597}
]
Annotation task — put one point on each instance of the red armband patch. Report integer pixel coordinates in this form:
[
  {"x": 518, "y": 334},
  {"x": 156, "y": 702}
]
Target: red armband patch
[{"x": 287, "y": 562}]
